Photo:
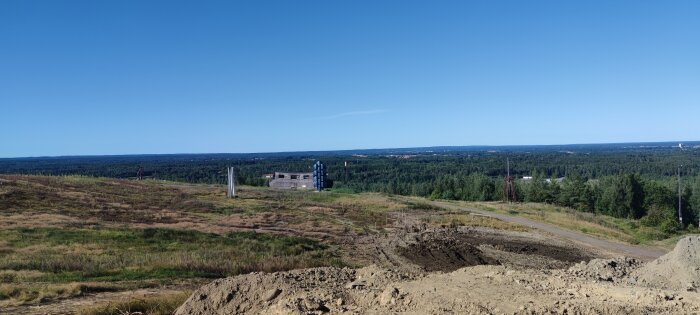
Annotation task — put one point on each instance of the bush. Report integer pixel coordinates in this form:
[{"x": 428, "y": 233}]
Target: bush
[
  {"x": 656, "y": 215},
  {"x": 669, "y": 226}
]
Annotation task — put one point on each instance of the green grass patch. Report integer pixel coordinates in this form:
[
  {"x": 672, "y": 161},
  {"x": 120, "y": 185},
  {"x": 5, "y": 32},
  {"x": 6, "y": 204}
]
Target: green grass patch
[
  {"x": 69, "y": 255},
  {"x": 343, "y": 190},
  {"x": 323, "y": 197},
  {"x": 421, "y": 205}
]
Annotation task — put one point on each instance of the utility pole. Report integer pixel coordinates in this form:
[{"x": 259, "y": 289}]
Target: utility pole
[
  {"x": 508, "y": 185},
  {"x": 346, "y": 172},
  {"x": 508, "y": 166},
  {"x": 680, "y": 214}
]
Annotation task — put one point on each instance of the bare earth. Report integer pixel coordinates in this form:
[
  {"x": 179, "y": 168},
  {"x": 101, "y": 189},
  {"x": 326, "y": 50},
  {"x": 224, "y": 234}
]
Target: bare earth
[{"x": 460, "y": 270}]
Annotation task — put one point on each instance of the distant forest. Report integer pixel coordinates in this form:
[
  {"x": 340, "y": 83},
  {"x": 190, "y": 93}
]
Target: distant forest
[{"x": 636, "y": 181}]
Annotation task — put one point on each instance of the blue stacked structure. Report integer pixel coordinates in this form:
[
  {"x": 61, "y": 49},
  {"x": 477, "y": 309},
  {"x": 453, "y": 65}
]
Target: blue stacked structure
[{"x": 319, "y": 176}]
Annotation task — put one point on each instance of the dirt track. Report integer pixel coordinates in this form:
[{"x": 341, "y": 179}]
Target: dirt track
[{"x": 611, "y": 247}]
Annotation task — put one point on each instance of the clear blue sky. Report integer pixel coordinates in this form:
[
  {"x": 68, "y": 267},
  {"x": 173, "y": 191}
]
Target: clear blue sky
[{"x": 125, "y": 77}]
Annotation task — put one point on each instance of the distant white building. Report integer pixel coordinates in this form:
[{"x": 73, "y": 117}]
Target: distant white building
[
  {"x": 558, "y": 180},
  {"x": 547, "y": 180}
]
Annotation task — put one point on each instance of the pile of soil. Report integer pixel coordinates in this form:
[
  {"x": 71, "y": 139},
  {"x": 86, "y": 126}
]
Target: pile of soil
[
  {"x": 485, "y": 289},
  {"x": 612, "y": 270},
  {"x": 305, "y": 291},
  {"x": 251, "y": 293},
  {"x": 678, "y": 270}
]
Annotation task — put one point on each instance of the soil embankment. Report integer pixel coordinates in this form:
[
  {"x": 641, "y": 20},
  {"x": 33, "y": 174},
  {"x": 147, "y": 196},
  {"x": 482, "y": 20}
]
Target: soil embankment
[{"x": 488, "y": 272}]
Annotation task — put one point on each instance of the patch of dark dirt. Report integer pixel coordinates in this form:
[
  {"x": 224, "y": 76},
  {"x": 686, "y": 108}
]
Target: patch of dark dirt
[
  {"x": 445, "y": 255},
  {"x": 527, "y": 247},
  {"x": 450, "y": 249}
]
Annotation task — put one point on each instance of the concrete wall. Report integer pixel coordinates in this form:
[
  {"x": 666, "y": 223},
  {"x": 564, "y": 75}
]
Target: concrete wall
[{"x": 290, "y": 180}]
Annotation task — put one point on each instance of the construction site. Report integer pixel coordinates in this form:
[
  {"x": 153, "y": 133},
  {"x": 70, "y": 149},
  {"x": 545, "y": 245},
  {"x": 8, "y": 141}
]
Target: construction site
[
  {"x": 416, "y": 269},
  {"x": 282, "y": 251},
  {"x": 412, "y": 267}
]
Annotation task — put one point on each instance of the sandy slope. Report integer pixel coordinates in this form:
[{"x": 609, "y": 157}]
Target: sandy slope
[
  {"x": 471, "y": 290},
  {"x": 518, "y": 278}
]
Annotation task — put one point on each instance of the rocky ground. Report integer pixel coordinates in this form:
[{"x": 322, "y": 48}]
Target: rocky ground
[{"x": 419, "y": 270}]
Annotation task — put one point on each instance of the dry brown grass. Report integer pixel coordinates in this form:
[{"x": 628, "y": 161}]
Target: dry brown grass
[
  {"x": 63, "y": 231},
  {"x": 74, "y": 201},
  {"x": 472, "y": 220},
  {"x": 164, "y": 304},
  {"x": 23, "y": 293},
  {"x": 625, "y": 230}
]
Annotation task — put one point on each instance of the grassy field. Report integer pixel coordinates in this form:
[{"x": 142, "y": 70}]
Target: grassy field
[
  {"x": 453, "y": 219},
  {"x": 66, "y": 237}
]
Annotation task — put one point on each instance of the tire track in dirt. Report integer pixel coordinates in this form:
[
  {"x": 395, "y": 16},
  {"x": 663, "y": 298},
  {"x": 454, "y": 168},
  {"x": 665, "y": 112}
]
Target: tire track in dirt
[{"x": 612, "y": 247}]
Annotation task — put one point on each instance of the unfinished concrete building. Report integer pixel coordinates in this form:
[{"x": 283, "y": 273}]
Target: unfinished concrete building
[{"x": 289, "y": 180}]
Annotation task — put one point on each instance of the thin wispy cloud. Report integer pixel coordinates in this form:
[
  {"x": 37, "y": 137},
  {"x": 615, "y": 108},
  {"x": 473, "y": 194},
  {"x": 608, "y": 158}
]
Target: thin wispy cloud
[{"x": 353, "y": 113}]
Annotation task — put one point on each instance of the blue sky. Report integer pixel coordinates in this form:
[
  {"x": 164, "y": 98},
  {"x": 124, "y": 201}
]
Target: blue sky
[{"x": 129, "y": 77}]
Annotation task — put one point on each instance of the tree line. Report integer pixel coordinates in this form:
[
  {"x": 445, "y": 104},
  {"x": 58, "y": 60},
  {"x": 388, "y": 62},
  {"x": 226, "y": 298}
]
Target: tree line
[
  {"x": 617, "y": 181},
  {"x": 653, "y": 201}
]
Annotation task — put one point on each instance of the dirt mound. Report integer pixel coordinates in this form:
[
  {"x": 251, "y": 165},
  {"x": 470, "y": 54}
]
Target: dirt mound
[
  {"x": 481, "y": 288},
  {"x": 306, "y": 291},
  {"x": 613, "y": 270},
  {"x": 484, "y": 289},
  {"x": 679, "y": 269},
  {"x": 252, "y": 292}
]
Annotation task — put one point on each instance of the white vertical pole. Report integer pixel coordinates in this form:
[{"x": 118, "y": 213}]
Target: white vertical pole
[{"x": 231, "y": 189}]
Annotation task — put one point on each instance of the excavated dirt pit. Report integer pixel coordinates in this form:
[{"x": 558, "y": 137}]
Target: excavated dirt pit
[
  {"x": 449, "y": 250},
  {"x": 445, "y": 255}
]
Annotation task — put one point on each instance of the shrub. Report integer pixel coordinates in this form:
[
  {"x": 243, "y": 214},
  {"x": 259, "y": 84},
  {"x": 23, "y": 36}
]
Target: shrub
[{"x": 669, "y": 226}]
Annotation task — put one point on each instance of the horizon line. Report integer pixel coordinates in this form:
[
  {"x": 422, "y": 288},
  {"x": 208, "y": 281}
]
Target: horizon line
[{"x": 350, "y": 150}]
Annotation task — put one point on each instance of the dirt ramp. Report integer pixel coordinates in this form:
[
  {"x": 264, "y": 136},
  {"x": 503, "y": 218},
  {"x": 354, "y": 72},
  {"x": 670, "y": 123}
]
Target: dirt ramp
[{"x": 678, "y": 270}]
